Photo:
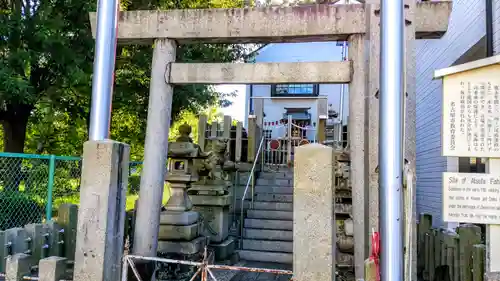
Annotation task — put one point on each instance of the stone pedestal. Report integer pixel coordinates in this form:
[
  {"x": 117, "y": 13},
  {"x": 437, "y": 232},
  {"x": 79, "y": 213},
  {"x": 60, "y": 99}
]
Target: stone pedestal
[
  {"x": 101, "y": 216},
  {"x": 180, "y": 233},
  {"x": 213, "y": 200},
  {"x": 179, "y": 238},
  {"x": 314, "y": 250}
]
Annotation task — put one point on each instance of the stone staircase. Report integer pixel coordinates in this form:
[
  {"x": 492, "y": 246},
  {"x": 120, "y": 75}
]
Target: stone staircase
[{"x": 268, "y": 226}]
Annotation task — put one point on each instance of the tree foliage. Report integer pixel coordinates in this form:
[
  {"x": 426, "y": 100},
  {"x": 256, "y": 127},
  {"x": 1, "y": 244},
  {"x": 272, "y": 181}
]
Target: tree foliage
[{"x": 46, "y": 56}]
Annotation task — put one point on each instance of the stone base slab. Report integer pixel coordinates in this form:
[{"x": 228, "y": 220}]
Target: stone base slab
[
  {"x": 182, "y": 247},
  {"x": 210, "y": 187},
  {"x": 178, "y": 232},
  {"x": 224, "y": 250},
  {"x": 176, "y": 272},
  {"x": 231, "y": 260},
  {"x": 207, "y": 200},
  {"x": 492, "y": 276},
  {"x": 179, "y": 218},
  {"x": 344, "y": 260}
]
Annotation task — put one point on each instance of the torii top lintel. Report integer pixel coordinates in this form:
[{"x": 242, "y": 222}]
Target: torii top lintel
[{"x": 266, "y": 25}]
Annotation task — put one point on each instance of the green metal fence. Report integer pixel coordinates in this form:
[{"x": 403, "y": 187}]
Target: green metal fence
[{"x": 33, "y": 186}]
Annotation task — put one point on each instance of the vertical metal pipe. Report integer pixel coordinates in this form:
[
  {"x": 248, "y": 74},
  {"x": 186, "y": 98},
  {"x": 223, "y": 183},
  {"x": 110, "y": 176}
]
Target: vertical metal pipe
[
  {"x": 104, "y": 66},
  {"x": 50, "y": 187},
  {"x": 125, "y": 268},
  {"x": 342, "y": 93},
  {"x": 489, "y": 29},
  {"x": 289, "y": 140},
  {"x": 155, "y": 150},
  {"x": 391, "y": 138}
]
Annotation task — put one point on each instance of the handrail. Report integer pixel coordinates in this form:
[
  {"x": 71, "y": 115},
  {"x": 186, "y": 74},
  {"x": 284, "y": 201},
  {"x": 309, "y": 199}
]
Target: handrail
[{"x": 250, "y": 180}]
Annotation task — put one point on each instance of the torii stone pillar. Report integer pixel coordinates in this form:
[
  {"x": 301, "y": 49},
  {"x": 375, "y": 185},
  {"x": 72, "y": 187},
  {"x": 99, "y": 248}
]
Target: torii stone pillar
[
  {"x": 357, "y": 144},
  {"x": 410, "y": 133},
  {"x": 155, "y": 149},
  {"x": 364, "y": 128}
]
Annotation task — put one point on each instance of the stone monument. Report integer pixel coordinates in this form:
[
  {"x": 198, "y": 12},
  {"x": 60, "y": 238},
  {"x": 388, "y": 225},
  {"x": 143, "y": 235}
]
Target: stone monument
[
  {"x": 211, "y": 197},
  {"x": 179, "y": 236},
  {"x": 343, "y": 215}
]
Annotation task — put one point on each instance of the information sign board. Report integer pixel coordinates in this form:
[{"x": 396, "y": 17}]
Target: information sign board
[
  {"x": 471, "y": 198},
  {"x": 471, "y": 114}
]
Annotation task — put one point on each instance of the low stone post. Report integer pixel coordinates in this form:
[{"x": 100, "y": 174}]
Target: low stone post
[
  {"x": 101, "y": 217},
  {"x": 322, "y": 117},
  {"x": 4, "y": 251},
  {"x": 478, "y": 255},
  {"x": 427, "y": 257},
  {"x": 68, "y": 219},
  {"x": 226, "y": 131},
  {"x": 55, "y": 239},
  {"x": 433, "y": 245},
  {"x": 313, "y": 217},
  {"x": 238, "y": 142},
  {"x": 449, "y": 254},
  {"x": 253, "y": 139},
  {"x": 37, "y": 232},
  {"x": 321, "y": 133},
  {"x": 469, "y": 235},
  {"x": 425, "y": 223},
  {"x": 438, "y": 242},
  {"x": 17, "y": 239},
  {"x": 52, "y": 269},
  {"x": 202, "y": 130},
  {"x": 18, "y": 266}
]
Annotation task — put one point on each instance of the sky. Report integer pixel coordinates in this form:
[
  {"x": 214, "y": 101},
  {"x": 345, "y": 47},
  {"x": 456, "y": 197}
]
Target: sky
[{"x": 237, "y": 109}]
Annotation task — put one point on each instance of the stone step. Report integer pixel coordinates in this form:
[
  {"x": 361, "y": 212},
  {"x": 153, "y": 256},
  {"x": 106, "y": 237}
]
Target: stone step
[
  {"x": 275, "y": 182},
  {"x": 279, "y": 206},
  {"x": 242, "y": 182},
  {"x": 277, "y": 175},
  {"x": 343, "y": 209},
  {"x": 269, "y": 214},
  {"x": 274, "y": 189},
  {"x": 268, "y": 246},
  {"x": 269, "y": 197},
  {"x": 285, "y": 258},
  {"x": 243, "y": 179},
  {"x": 269, "y": 224},
  {"x": 268, "y": 234}
]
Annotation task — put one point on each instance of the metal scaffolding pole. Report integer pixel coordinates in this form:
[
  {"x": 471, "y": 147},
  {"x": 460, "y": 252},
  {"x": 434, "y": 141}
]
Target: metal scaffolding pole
[
  {"x": 104, "y": 66},
  {"x": 391, "y": 139},
  {"x": 340, "y": 132}
]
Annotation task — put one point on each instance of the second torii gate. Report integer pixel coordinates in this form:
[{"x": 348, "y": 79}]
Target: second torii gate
[{"x": 358, "y": 24}]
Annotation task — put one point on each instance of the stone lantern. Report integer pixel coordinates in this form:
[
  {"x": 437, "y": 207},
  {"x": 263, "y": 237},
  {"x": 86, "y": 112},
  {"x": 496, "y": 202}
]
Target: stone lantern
[
  {"x": 181, "y": 173},
  {"x": 179, "y": 236}
]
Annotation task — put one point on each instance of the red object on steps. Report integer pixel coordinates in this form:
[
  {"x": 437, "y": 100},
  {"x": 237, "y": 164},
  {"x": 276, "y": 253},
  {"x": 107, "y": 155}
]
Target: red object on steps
[{"x": 375, "y": 255}]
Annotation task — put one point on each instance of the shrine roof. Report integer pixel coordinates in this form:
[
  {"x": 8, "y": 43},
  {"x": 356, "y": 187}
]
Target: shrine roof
[{"x": 440, "y": 73}]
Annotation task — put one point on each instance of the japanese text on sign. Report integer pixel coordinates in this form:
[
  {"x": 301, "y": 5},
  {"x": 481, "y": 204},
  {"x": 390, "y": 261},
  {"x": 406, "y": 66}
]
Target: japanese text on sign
[
  {"x": 471, "y": 198},
  {"x": 471, "y": 120}
]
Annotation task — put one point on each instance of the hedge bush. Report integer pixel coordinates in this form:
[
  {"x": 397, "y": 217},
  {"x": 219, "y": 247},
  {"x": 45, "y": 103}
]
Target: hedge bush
[{"x": 19, "y": 209}]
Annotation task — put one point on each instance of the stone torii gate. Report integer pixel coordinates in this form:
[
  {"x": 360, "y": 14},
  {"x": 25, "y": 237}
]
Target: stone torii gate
[{"x": 357, "y": 23}]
